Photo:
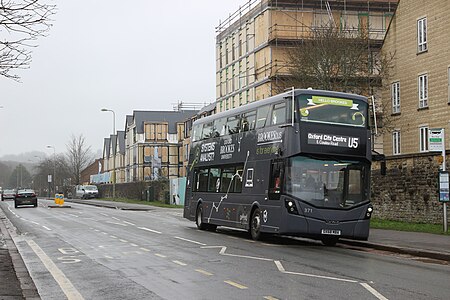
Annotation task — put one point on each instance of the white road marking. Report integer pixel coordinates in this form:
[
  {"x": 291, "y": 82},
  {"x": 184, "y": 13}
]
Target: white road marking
[
  {"x": 190, "y": 241},
  {"x": 116, "y": 219},
  {"x": 282, "y": 270},
  {"x": 103, "y": 214},
  {"x": 47, "y": 228},
  {"x": 110, "y": 222},
  {"x": 270, "y": 298},
  {"x": 113, "y": 237},
  {"x": 145, "y": 249},
  {"x": 222, "y": 252},
  {"x": 65, "y": 284},
  {"x": 151, "y": 230},
  {"x": 160, "y": 255},
  {"x": 373, "y": 291},
  {"x": 134, "y": 245},
  {"x": 179, "y": 263},
  {"x": 110, "y": 257},
  {"x": 129, "y": 223},
  {"x": 123, "y": 241}
]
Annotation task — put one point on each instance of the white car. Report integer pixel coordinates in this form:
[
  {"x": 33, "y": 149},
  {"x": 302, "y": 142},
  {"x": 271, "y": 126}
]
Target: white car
[{"x": 86, "y": 191}]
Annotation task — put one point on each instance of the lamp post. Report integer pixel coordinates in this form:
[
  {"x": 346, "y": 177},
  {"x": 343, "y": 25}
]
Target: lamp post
[
  {"x": 54, "y": 167},
  {"x": 114, "y": 154}
]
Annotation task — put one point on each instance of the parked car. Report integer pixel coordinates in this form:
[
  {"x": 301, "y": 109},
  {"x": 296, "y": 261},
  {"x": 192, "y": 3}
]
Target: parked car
[
  {"x": 86, "y": 191},
  {"x": 25, "y": 197},
  {"x": 8, "y": 194}
]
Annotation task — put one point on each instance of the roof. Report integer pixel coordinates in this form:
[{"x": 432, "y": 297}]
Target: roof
[
  {"x": 171, "y": 117},
  {"x": 121, "y": 138},
  {"x": 106, "y": 147},
  {"x": 207, "y": 108}
]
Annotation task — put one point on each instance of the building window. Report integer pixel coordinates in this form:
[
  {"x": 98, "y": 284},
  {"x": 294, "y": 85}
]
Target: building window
[
  {"x": 396, "y": 142},
  {"x": 423, "y": 136},
  {"x": 422, "y": 35},
  {"x": 395, "y": 96},
  {"x": 423, "y": 90}
]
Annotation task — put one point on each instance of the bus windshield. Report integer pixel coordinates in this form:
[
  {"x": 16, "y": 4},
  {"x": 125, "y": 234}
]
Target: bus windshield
[
  {"x": 332, "y": 110},
  {"x": 327, "y": 183}
]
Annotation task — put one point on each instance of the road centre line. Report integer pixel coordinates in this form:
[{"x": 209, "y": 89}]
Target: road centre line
[
  {"x": 129, "y": 223},
  {"x": 134, "y": 245},
  {"x": 237, "y": 285},
  {"x": 65, "y": 284},
  {"x": 47, "y": 228},
  {"x": 151, "y": 230},
  {"x": 160, "y": 255},
  {"x": 270, "y": 298},
  {"x": 144, "y": 249},
  {"x": 123, "y": 241},
  {"x": 204, "y": 272},
  {"x": 190, "y": 241},
  {"x": 116, "y": 219},
  {"x": 373, "y": 291},
  {"x": 179, "y": 263}
]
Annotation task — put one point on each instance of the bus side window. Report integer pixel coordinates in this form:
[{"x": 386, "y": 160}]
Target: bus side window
[
  {"x": 279, "y": 113},
  {"x": 248, "y": 121},
  {"x": 238, "y": 179},
  {"x": 197, "y": 135},
  {"x": 202, "y": 180},
  {"x": 233, "y": 124},
  {"x": 220, "y": 127},
  {"x": 261, "y": 116},
  {"x": 207, "y": 130}
]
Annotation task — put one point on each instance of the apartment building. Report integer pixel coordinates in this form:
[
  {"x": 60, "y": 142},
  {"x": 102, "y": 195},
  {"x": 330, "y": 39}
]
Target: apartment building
[
  {"x": 154, "y": 144},
  {"x": 252, "y": 44},
  {"x": 418, "y": 90}
]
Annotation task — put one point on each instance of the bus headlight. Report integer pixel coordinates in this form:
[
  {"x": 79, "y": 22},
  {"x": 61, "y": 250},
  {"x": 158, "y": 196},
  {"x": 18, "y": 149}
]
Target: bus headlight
[
  {"x": 369, "y": 212},
  {"x": 291, "y": 207}
]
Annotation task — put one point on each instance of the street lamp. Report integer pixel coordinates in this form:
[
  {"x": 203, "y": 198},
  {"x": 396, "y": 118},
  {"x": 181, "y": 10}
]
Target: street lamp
[
  {"x": 54, "y": 167},
  {"x": 114, "y": 154}
]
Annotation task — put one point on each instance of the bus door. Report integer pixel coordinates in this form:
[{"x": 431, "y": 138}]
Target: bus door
[{"x": 271, "y": 212}]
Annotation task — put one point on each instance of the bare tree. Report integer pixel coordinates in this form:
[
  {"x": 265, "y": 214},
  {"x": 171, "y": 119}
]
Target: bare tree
[
  {"x": 79, "y": 156},
  {"x": 21, "y": 23},
  {"x": 338, "y": 59}
]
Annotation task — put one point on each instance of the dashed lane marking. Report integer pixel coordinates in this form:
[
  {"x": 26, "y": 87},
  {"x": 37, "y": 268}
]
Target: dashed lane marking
[
  {"x": 190, "y": 241},
  {"x": 204, "y": 272},
  {"x": 179, "y": 263},
  {"x": 160, "y": 255},
  {"x": 237, "y": 285},
  {"x": 145, "y": 249},
  {"x": 129, "y": 223},
  {"x": 270, "y": 298},
  {"x": 150, "y": 230}
]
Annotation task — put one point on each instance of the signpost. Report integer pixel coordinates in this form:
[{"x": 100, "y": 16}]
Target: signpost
[{"x": 436, "y": 141}]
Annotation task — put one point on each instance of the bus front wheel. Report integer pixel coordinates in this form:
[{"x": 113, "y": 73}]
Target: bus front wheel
[
  {"x": 199, "y": 219},
  {"x": 255, "y": 225}
]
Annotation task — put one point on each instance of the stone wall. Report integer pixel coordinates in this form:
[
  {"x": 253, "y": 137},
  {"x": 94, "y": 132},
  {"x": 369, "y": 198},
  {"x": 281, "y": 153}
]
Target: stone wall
[
  {"x": 151, "y": 191},
  {"x": 409, "y": 190}
]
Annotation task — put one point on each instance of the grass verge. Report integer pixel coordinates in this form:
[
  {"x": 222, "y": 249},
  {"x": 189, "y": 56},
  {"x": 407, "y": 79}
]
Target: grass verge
[
  {"x": 133, "y": 201},
  {"x": 406, "y": 226}
]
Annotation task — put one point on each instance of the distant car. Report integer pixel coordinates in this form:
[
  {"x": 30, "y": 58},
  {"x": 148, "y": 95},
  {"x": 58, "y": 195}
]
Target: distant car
[
  {"x": 8, "y": 194},
  {"x": 86, "y": 191},
  {"x": 25, "y": 197}
]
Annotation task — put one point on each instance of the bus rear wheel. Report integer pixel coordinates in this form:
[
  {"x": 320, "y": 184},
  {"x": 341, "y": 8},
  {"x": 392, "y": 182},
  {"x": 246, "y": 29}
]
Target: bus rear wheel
[{"x": 255, "y": 225}]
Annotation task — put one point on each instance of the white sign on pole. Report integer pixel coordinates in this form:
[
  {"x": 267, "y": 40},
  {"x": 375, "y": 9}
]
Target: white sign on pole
[
  {"x": 49, "y": 178},
  {"x": 436, "y": 139}
]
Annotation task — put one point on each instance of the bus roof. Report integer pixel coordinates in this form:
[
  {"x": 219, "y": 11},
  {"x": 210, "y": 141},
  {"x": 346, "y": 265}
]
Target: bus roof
[{"x": 256, "y": 104}]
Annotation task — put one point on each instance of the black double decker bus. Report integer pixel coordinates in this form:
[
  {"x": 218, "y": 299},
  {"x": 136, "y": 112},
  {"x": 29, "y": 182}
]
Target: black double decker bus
[{"x": 296, "y": 164}]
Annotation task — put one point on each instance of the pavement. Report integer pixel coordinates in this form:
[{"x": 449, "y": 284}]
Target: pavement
[{"x": 15, "y": 282}]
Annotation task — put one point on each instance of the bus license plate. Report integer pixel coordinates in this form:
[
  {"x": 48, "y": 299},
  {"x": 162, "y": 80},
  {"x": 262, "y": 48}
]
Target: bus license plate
[{"x": 331, "y": 232}]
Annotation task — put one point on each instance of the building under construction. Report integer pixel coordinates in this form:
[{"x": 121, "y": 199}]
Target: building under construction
[{"x": 251, "y": 47}]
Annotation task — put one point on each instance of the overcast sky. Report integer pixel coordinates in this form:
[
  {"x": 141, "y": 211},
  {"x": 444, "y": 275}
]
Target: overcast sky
[{"x": 121, "y": 55}]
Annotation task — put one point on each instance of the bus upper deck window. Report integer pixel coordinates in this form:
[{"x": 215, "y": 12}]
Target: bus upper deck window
[
  {"x": 248, "y": 121},
  {"x": 261, "y": 116},
  {"x": 279, "y": 113}
]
